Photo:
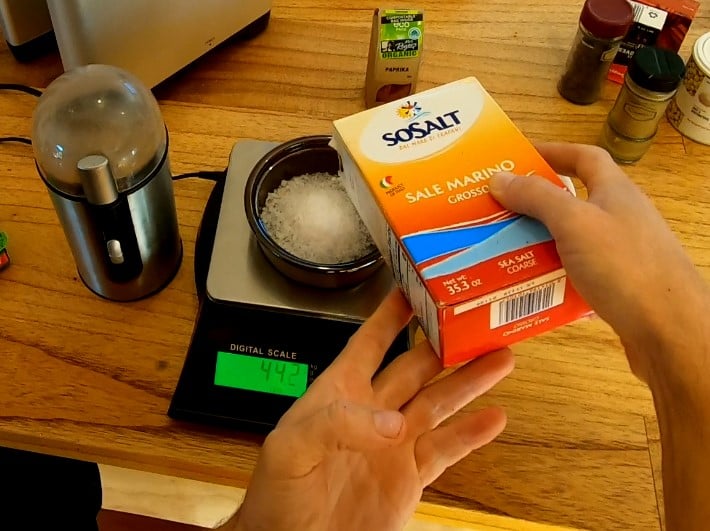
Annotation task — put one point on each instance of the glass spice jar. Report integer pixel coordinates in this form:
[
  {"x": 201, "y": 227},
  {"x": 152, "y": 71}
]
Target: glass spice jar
[
  {"x": 602, "y": 26},
  {"x": 650, "y": 83}
]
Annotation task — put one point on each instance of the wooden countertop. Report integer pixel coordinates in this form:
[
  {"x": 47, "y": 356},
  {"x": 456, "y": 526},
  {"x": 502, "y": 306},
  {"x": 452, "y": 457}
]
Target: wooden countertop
[{"x": 92, "y": 379}]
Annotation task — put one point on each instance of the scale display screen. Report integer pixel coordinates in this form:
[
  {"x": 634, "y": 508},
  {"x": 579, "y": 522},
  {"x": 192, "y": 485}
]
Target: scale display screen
[{"x": 264, "y": 375}]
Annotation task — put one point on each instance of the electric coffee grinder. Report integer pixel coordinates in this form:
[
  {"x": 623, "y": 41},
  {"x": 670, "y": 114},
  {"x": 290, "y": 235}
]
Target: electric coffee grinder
[
  {"x": 101, "y": 148},
  {"x": 267, "y": 325}
]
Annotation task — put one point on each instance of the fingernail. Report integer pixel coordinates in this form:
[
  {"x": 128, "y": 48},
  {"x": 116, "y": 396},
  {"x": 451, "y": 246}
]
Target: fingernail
[
  {"x": 500, "y": 181},
  {"x": 388, "y": 423}
]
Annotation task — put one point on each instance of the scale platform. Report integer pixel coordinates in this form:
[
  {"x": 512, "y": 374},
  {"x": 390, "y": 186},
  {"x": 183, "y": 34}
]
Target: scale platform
[{"x": 260, "y": 339}]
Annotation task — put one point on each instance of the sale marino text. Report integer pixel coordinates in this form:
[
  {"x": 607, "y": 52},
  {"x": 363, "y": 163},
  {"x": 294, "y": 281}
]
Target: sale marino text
[{"x": 463, "y": 188}]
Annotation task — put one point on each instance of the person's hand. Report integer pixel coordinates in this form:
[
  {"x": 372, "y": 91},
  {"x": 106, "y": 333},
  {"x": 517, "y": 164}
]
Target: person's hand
[
  {"x": 619, "y": 253},
  {"x": 354, "y": 453}
]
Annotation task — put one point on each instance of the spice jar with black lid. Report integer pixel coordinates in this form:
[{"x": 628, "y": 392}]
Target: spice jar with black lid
[
  {"x": 651, "y": 81},
  {"x": 602, "y": 26}
]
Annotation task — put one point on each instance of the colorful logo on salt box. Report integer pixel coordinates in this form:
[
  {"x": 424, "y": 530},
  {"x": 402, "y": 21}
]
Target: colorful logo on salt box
[
  {"x": 410, "y": 111},
  {"x": 404, "y": 131}
]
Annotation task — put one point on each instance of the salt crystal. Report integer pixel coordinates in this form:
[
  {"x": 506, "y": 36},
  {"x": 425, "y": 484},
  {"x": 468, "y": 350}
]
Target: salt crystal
[{"x": 311, "y": 217}]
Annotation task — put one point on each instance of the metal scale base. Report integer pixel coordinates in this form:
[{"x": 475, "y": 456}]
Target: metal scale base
[{"x": 256, "y": 329}]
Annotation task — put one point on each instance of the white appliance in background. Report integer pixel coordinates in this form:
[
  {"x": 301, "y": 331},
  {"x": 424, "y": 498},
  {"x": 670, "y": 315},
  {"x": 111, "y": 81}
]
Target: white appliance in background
[
  {"x": 26, "y": 26},
  {"x": 152, "y": 39}
]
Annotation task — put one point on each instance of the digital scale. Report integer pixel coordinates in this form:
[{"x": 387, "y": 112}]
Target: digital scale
[{"x": 260, "y": 339}]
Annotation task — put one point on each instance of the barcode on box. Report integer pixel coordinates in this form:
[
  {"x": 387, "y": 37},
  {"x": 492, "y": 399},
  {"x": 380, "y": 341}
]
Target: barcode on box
[
  {"x": 649, "y": 16},
  {"x": 528, "y": 303}
]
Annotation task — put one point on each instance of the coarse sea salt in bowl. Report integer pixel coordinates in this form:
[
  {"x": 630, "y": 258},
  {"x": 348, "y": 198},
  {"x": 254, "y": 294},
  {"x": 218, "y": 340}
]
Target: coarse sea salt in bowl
[{"x": 304, "y": 221}]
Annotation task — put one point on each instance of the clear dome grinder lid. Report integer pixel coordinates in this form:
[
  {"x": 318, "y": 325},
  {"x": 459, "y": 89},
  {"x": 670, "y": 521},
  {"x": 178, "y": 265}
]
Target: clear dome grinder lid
[{"x": 97, "y": 110}]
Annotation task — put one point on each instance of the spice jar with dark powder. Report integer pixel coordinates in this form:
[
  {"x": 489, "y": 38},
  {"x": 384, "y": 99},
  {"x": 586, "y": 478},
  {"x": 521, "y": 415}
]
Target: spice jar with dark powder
[{"x": 602, "y": 26}]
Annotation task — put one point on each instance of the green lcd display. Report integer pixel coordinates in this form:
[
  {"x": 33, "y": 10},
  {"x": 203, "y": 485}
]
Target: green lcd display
[{"x": 265, "y": 375}]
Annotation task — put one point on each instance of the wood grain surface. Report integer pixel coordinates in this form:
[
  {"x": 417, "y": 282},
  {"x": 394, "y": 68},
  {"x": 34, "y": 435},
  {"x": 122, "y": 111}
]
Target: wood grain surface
[{"x": 92, "y": 379}]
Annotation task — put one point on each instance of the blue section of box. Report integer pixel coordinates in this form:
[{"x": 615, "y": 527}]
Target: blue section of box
[
  {"x": 509, "y": 236},
  {"x": 424, "y": 246}
]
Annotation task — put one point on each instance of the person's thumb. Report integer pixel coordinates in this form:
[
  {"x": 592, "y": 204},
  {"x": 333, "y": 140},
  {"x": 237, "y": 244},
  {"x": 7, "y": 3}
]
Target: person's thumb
[{"x": 533, "y": 196}]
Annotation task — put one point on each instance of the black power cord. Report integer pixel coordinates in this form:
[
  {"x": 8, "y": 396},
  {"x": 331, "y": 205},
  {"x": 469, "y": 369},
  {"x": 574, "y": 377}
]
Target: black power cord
[
  {"x": 216, "y": 176},
  {"x": 27, "y": 90},
  {"x": 21, "y": 88},
  {"x": 20, "y": 139}
]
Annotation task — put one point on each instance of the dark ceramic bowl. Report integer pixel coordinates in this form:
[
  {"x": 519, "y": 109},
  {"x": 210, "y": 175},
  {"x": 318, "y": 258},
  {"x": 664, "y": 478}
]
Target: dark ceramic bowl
[{"x": 310, "y": 154}]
